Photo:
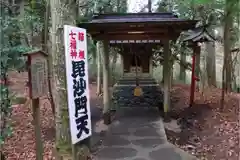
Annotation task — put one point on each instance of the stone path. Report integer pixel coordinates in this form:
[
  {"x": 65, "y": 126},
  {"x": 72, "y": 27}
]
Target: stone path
[{"x": 138, "y": 135}]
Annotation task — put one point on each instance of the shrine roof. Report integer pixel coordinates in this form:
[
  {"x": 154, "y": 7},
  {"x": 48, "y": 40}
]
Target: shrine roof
[
  {"x": 121, "y": 18},
  {"x": 34, "y": 52},
  {"x": 133, "y": 26},
  {"x": 199, "y": 34},
  {"x": 133, "y": 17}
]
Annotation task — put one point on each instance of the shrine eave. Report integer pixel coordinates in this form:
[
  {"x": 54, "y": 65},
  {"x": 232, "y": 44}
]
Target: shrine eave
[
  {"x": 199, "y": 34},
  {"x": 34, "y": 52},
  {"x": 105, "y": 23}
]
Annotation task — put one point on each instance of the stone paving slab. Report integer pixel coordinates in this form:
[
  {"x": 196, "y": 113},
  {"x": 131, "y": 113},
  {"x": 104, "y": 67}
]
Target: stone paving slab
[{"x": 138, "y": 135}]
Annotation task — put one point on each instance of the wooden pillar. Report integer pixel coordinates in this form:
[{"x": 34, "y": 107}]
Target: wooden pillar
[
  {"x": 195, "y": 71},
  {"x": 166, "y": 78},
  {"x": 197, "y": 52},
  {"x": 106, "y": 78},
  {"x": 150, "y": 66},
  {"x": 197, "y": 67},
  {"x": 98, "y": 61},
  {"x": 37, "y": 130},
  {"x": 122, "y": 65}
]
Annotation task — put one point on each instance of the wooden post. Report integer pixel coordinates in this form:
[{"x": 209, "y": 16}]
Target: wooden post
[
  {"x": 37, "y": 131},
  {"x": 166, "y": 78},
  {"x": 193, "y": 75},
  {"x": 36, "y": 116},
  {"x": 195, "y": 71},
  {"x": 99, "y": 82},
  {"x": 197, "y": 54},
  {"x": 106, "y": 95}
]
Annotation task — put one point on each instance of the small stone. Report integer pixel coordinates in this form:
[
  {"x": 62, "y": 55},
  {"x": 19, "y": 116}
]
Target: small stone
[{"x": 190, "y": 147}]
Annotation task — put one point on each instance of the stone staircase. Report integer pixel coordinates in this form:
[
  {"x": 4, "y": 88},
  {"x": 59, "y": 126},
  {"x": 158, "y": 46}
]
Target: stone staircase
[{"x": 123, "y": 93}]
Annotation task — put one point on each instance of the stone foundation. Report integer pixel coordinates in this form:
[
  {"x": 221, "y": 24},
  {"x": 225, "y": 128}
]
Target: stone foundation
[{"x": 123, "y": 94}]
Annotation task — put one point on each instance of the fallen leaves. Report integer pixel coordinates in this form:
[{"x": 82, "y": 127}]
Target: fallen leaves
[
  {"x": 217, "y": 131},
  {"x": 21, "y": 145}
]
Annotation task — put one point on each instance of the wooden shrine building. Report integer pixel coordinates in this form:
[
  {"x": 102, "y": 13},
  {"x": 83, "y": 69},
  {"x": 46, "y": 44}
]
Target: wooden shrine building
[{"x": 136, "y": 34}]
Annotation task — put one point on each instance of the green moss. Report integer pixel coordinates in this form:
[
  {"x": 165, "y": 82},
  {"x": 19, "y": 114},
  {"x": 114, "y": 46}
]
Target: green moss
[
  {"x": 63, "y": 147},
  {"x": 83, "y": 152},
  {"x": 65, "y": 150}
]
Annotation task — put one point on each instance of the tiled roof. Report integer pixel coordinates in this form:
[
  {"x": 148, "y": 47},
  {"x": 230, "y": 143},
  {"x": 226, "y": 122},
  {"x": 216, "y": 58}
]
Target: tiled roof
[
  {"x": 199, "y": 34},
  {"x": 135, "y": 17}
]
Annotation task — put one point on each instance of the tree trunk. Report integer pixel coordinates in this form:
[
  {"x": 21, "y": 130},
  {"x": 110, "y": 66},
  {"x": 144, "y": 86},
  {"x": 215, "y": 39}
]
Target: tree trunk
[
  {"x": 237, "y": 80},
  {"x": 227, "y": 45},
  {"x": 182, "y": 74},
  {"x": 149, "y": 6},
  {"x": 63, "y": 139},
  {"x": 114, "y": 61},
  {"x": 211, "y": 63},
  {"x": 61, "y": 14},
  {"x": 118, "y": 6},
  {"x": 198, "y": 60},
  {"x": 99, "y": 83},
  {"x": 45, "y": 48},
  {"x": 197, "y": 65}
]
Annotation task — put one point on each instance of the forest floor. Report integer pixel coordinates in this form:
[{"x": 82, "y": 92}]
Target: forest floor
[
  {"x": 207, "y": 132},
  {"x": 21, "y": 144}
]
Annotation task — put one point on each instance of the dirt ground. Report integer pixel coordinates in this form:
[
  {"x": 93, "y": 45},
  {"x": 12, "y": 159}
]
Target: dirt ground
[
  {"x": 21, "y": 145},
  {"x": 207, "y": 132}
]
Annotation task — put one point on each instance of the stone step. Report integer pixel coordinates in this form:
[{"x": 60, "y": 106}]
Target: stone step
[{"x": 123, "y": 96}]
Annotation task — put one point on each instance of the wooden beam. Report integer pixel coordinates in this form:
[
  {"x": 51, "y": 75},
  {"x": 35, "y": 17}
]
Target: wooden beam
[
  {"x": 137, "y": 47},
  {"x": 121, "y": 45},
  {"x": 93, "y": 27},
  {"x": 136, "y": 36},
  {"x": 128, "y": 29},
  {"x": 146, "y": 30}
]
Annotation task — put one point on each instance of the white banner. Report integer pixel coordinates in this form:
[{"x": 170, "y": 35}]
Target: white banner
[{"x": 75, "y": 41}]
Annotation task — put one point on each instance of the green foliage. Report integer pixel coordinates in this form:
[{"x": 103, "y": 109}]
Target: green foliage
[
  {"x": 100, "y": 6},
  {"x": 202, "y": 1},
  {"x": 11, "y": 58},
  {"x": 32, "y": 21},
  {"x": 10, "y": 44},
  {"x": 5, "y": 113}
]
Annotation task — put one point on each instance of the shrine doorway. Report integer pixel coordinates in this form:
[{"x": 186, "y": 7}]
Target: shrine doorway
[{"x": 136, "y": 66}]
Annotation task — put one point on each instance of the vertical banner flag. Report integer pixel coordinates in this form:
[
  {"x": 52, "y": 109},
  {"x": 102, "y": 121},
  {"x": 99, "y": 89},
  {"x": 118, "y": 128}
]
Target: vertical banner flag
[{"x": 75, "y": 41}]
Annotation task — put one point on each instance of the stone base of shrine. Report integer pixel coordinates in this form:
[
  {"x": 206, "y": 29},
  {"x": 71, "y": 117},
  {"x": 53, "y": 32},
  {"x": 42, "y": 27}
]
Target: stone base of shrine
[{"x": 123, "y": 94}]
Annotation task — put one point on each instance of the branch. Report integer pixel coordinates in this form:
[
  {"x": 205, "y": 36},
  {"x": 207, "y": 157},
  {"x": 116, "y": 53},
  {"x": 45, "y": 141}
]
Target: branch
[
  {"x": 5, "y": 4},
  {"x": 86, "y": 4},
  {"x": 186, "y": 65},
  {"x": 235, "y": 50}
]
